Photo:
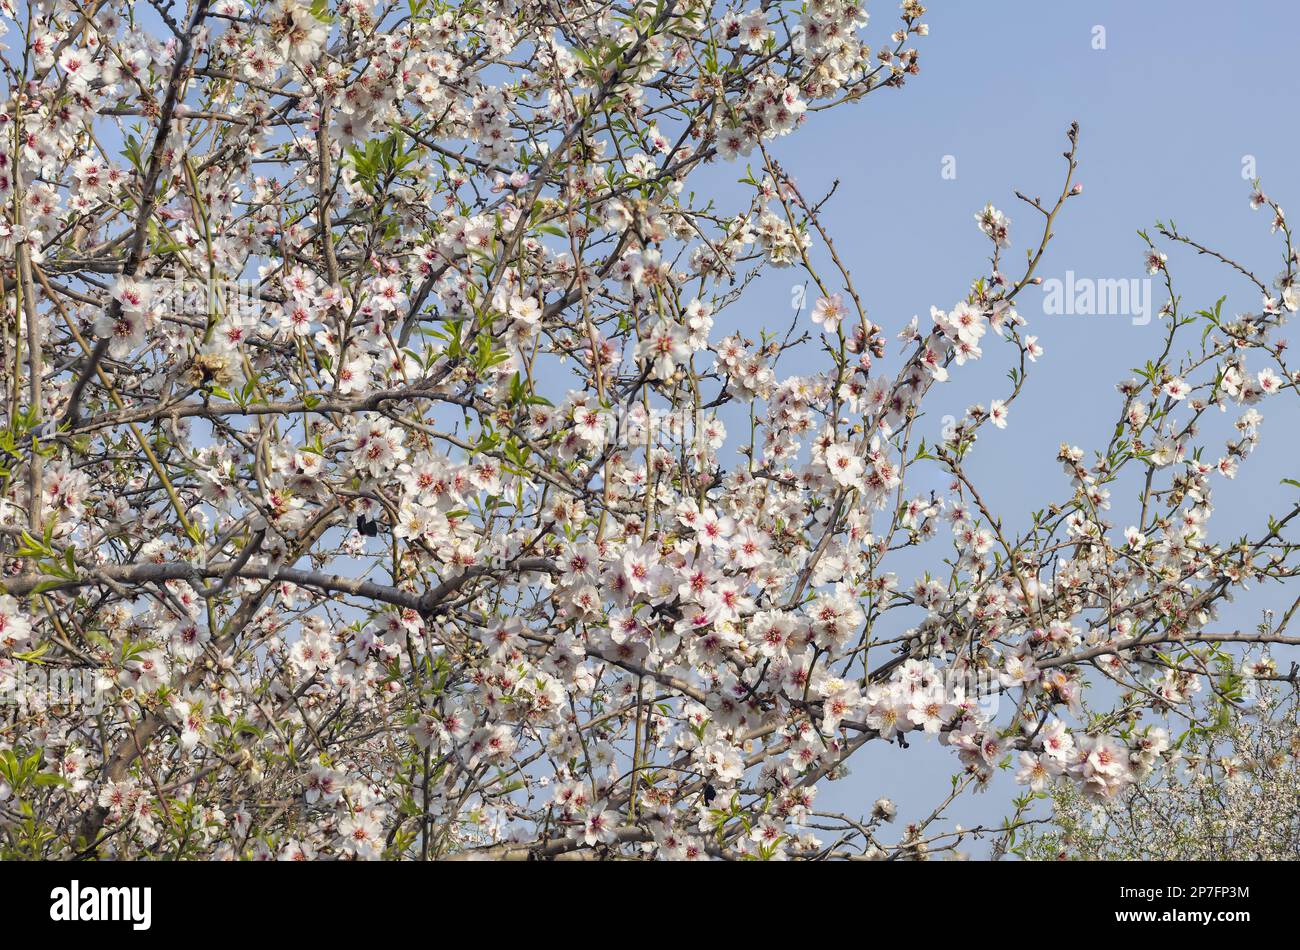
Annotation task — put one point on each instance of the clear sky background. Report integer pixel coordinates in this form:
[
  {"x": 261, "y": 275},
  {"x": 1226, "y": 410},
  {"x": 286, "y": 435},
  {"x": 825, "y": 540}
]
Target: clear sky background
[{"x": 1180, "y": 94}]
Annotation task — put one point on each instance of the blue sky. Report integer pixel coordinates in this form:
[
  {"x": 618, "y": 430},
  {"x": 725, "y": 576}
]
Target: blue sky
[{"x": 1180, "y": 94}]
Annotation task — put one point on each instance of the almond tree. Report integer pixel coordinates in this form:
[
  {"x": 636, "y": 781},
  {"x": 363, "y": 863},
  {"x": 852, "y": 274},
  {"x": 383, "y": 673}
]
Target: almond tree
[{"x": 375, "y": 483}]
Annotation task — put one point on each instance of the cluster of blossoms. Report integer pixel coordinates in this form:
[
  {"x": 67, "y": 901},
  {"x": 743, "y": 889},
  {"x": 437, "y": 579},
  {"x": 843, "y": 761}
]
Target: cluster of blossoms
[
  {"x": 1227, "y": 792},
  {"x": 433, "y": 541}
]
